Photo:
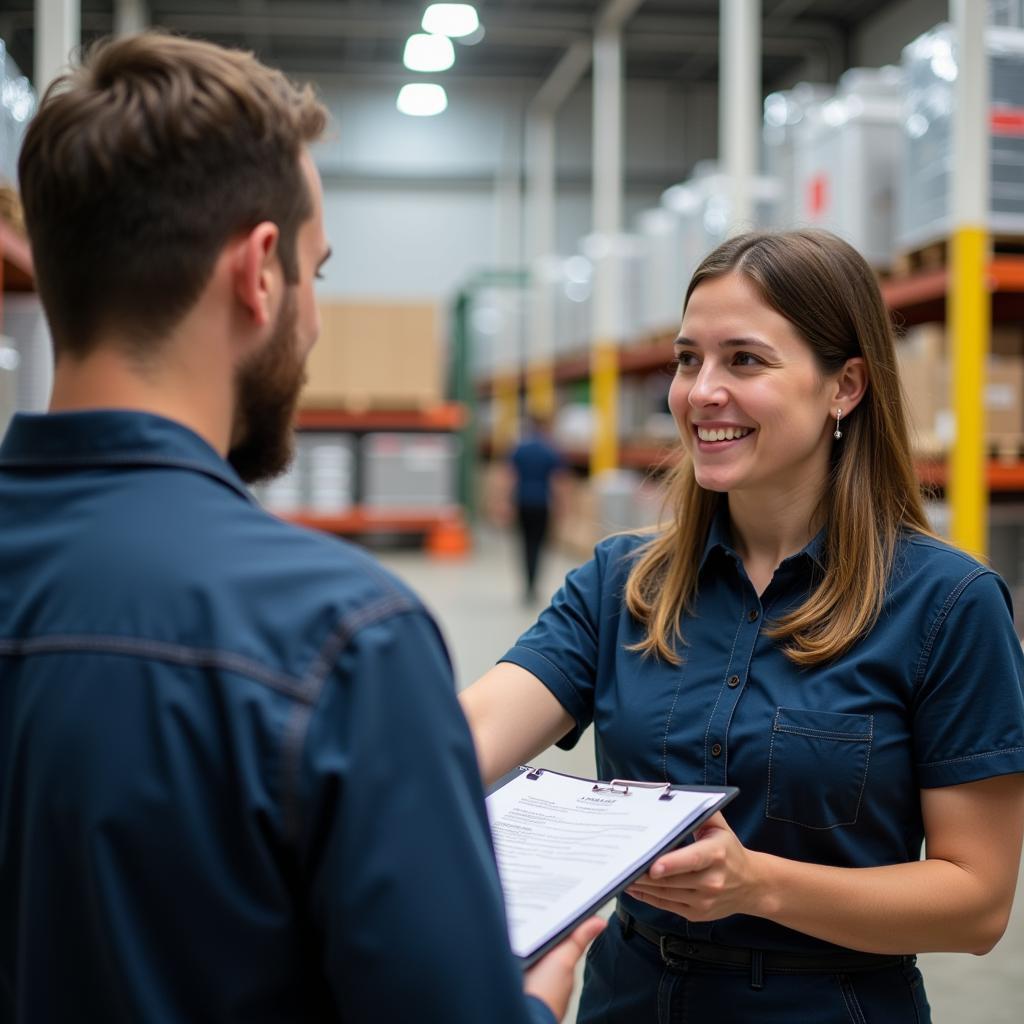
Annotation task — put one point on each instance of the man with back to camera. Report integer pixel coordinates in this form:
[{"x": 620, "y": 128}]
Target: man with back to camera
[{"x": 235, "y": 784}]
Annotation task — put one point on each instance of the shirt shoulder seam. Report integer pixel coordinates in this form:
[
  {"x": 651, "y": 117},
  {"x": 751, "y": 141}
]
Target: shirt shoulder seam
[{"x": 940, "y": 619}]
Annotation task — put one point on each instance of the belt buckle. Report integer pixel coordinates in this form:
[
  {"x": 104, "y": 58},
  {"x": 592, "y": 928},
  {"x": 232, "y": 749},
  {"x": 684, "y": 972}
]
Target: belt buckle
[{"x": 666, "y": 957}]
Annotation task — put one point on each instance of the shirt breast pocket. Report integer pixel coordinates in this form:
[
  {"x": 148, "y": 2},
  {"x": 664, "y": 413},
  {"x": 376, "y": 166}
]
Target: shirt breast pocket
[{"x": 817, "y": 767}]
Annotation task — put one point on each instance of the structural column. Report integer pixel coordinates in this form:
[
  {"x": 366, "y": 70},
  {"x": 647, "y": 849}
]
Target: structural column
[
  {"x": 509, "y": 357},
  {"x": 58, "y": 34},
  {"x": 970, "y": 312},
  {"x": 540, "y": 344},
  {"x": 739, "y": 104},
  {"x": 607, "y": 216},
  {"x": 130, "y": 16}
]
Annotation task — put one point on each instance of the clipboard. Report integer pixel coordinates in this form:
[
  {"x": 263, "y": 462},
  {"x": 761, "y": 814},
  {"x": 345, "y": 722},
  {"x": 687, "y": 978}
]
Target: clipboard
[{"x": 534, "y": 932}]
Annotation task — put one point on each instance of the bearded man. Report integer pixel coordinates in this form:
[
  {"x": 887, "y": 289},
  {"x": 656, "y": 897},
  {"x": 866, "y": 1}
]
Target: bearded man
[{"x": 235, "y": 784}]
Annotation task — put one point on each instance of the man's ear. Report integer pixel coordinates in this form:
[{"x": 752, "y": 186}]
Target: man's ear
[
  {"x": 851, "y": 384},
  {"x": 255, "y": 269}
]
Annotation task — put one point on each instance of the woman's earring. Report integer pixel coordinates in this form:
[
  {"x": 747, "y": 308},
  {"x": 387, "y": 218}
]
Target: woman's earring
[{"x": 838, "y": 433}]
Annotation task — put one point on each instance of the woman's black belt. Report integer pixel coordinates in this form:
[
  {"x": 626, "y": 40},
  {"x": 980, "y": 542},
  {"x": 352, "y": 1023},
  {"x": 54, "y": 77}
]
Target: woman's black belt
[{"x": 677, "y": 950}]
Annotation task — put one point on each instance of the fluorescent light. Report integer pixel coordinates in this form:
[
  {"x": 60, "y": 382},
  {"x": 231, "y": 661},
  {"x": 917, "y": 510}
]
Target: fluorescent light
[
  {"x": 452, "y": 20},
  {"x": 422, "y": 99},
  {"x": 429, "y": 53}
]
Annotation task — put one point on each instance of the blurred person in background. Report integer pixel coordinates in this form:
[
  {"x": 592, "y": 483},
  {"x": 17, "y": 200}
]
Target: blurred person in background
[
  {"x": 235, "y": 783},
  {"x": 536, "y": 487},
  {"x": 798, "y": 631}
]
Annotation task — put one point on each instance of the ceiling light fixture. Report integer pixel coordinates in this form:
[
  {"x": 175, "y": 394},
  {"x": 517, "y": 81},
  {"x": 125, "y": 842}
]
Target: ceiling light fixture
[
  {"x": 428, "y": 53},
  {"x": 452, "y": 20},
  {"x": 422, "y": 99}
]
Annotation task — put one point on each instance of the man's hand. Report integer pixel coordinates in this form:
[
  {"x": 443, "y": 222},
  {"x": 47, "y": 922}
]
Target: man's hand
[{"x": 551, "y": 977}]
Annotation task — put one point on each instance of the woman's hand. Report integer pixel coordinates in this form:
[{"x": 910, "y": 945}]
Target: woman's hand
[{"x": 713, "y": 877}]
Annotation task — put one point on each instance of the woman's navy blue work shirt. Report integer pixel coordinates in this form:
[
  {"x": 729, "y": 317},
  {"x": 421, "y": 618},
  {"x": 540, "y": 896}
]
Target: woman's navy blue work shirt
[{"x": 829, "y": 760}]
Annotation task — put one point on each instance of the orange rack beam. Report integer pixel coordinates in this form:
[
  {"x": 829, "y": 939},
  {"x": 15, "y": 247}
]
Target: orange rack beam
[{"x": 450, "y": 416}]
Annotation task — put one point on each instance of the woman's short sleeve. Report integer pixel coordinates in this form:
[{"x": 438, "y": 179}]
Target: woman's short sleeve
[
  {"x": 969, "y": 699},
  {"x": 562, "y": 647}
]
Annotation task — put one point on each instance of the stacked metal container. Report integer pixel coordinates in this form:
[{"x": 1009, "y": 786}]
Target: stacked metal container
[
  {"x": 17, "y": 105},
  {"x": 662, "y": 281},
  {"x": 785, "y": 118},
  {"x": 26, "y": 357},
  {"x": 930, "y": 64},
  {"x": 847, "y": 161},
  {"x": 617, "y": 274},
  {"x": 25, "y": 360},
  {"x": 704, "y": 205},
  {"x": 572, "y": 286},
  {"x": 410, "y": 471},
  {"x": 321, "y": 478}
]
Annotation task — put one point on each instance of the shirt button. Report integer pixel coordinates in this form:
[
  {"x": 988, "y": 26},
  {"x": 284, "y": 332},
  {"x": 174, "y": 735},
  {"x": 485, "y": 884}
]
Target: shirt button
[
  {"x": 716, "y": 750},
  {"x": 752, "y": 615},
  {"x": 734, "y": 680}
]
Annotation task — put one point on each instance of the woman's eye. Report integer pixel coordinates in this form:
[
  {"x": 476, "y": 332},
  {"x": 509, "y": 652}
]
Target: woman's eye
[
  {"x": 684, "y": 360},
  {"x": 746, "y": 359}
]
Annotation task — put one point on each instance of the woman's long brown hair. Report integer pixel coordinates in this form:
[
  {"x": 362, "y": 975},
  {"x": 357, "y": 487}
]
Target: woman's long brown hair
[{"x": 830, "y": 295}]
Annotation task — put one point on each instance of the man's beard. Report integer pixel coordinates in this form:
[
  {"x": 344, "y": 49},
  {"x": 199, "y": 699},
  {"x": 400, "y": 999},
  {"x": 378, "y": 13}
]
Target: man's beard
[{"x": 267, "y": 388}]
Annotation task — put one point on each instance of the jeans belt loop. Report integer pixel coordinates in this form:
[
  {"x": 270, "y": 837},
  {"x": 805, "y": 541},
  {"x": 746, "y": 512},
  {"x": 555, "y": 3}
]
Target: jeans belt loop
[{"x": 756, "y": 969}]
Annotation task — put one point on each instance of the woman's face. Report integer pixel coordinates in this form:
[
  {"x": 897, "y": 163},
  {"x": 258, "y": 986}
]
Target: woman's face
[{"x": 750, "y": 402}]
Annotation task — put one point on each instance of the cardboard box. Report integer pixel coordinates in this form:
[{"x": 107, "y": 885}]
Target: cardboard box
[
  {"x": 927, "y": 387},
  {"x": 1004, "y": 396},
  {"x": 376, "y": 356},
  {"x": 578, "y": 529},
  {"x": 921, "y": 360},
  {"x": 1007, "y": 340},
  {"x": 925, "y": 375}
]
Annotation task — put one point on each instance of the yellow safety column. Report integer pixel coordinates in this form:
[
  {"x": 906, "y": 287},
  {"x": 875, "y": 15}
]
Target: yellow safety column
[
  {"x": 607, "y": 323},
  {"x": 505, "y": 428},
  {"x": 540, "y": 390},
  {"x": 604, "y": 397},
  {"x": 969, "y": 302}
]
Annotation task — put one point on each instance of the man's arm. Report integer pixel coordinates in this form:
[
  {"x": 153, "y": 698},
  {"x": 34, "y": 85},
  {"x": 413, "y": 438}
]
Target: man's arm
[{"x": 404, "y": 888}]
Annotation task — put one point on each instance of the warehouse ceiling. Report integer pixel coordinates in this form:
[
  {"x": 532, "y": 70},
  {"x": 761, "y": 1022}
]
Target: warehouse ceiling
[{"x": 667, "y": 40}]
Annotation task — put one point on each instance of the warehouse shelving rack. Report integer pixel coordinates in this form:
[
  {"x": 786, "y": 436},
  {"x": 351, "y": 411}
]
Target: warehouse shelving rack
[
  {"x": 914, "y": 298},
  {"x": 444, "y": 529}
]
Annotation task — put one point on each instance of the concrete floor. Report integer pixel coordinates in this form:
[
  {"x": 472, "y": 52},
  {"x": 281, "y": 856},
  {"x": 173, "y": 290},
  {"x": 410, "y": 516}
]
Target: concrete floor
[{"x": 477, "y": 602}]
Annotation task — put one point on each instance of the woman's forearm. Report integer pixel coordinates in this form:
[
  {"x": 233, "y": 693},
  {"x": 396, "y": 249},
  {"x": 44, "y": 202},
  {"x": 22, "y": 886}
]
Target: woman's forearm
[{"x": 925, "y": 906}]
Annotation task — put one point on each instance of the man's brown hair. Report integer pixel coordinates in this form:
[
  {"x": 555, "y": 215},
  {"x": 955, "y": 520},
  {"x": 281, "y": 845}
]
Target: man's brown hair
[{"x": 141, "y": 164}]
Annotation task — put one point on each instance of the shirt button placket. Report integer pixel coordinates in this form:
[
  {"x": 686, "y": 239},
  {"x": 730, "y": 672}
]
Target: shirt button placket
[{"x": 715, "y": 772}]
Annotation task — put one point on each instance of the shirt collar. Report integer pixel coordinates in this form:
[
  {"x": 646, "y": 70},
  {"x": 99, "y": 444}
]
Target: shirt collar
[
  {"x": 720, "y": 539},
  {"x": 111, "y": 437}
]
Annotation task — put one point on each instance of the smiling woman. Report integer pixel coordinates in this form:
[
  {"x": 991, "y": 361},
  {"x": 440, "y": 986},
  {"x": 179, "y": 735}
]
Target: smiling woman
[
  {"x": 796, "y": 630},
  {"x": 782, "y": 335}
]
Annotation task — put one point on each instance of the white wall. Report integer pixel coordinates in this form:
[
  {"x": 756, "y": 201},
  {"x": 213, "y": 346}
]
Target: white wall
[{"x": 410, "y": 204}]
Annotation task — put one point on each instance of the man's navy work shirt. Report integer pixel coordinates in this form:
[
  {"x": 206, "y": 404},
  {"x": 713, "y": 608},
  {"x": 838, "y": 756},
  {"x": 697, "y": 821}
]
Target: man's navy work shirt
[
  {"x": 235, "y": 783},
  {"x": 829, "y": 760}
]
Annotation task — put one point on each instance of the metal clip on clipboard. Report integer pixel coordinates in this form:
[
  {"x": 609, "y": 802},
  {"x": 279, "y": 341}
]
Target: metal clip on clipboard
[{"x": 621, "y": 786}]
